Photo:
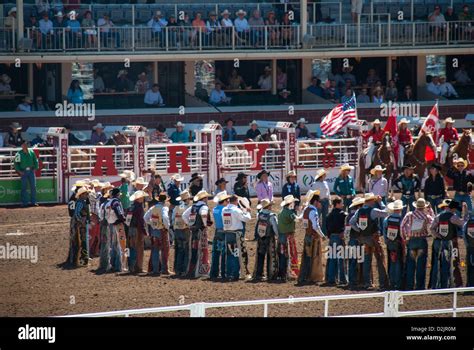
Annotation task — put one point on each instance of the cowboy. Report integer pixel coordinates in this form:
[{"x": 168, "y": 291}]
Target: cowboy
[
  {"x": 196, "y": 184},
  {"x": 405, "y": 139},
  {"x": 267, "y": 232},
  {"x": 344, "y": 185},
  {"x": 444, "y": 267},
  {"x": 264, "y": 187},
  {"x": 241, "y": 187},
  {"x": 351, "y": 237},
  {"x": 233, "y": 217},
  {"x": 115, "y": 217},
  {"x": 126, "y": 179},
  {"x": 71, "y": 206},
  {"x": 373, "y": 137},
  {"x": 94, "y": 231},
  {"x": 198, "y": 219},
  {"x": 173, "y": 189},
  {"x": 415, "y": 230},
  {"x": 179, "y": 135},
  {"x": 136, "y": 231},
  {"x": 320, "y": 184},
  {"x": 301, "y": 129},
  {"x": 365, "y": 222},
  {"x": 286, "y": 239},
  {"x": 155, "y": 187},
  {"x": 312, "y": 259},
  {"x": 158, "y": 221},
  {"x": 291, "y": 187},
  {"x": 469, "y": 244},
  {"x": 98, "y": 136},
  {"x": 408, "y": 183},
  {"x": 253, "y": 132},
  {"x": 335, "y": 269},
  {"x": 218, "y": 243},
  {"x": 81, "y": 220},
  {"x": 461, "y": 178},
  {"x": 140, "y": 185},
  {"x": 447, "y": 136},
  {"x": 434, "y": 187},
  {"x": 378, "y": 184},
  {"x": 182, "y": 235},
  {"x": 221, "y": 185},
  {"x": 14, "y": 138},
  {"x": 105, "y": 238},
  {"x": 228, "y": 132},
  {"x": 394, "y": 243}
]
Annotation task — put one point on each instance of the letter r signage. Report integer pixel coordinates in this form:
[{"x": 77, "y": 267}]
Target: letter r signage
[{"x": 178, "y": 154}]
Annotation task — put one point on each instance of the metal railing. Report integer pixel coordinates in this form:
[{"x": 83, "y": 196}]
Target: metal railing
[
  {"x": 327, "y": 153},
  {"x": 7, "y": 36},
  {"x": 82, "y": 159},
  {"x": 158, "y": 156},
  {"x": 391, "y": 303},
  {"x": 240, "y": 156},
  {"x": 47, "y": 158}
]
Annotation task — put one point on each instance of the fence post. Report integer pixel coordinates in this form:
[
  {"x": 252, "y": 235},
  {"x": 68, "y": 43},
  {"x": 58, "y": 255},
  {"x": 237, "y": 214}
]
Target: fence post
[{"x": 198, "y": 310}]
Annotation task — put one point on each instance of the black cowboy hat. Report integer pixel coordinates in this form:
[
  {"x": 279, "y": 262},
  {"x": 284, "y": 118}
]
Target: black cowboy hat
[
  {"x": 454, "y": 205},
  {"x": 195, "y": 176},
  {"x": 408, "y": 166},
  {"x": 161, "y": 128},
  {"x": 435, "y": 166},
  {"x": 240, "y": 176},
  {"x": 114, "y": 192},
  {"x": 230, "y": 119},
  {"x": 263, "y": 172},
  {"x": 221, "y": 180}
]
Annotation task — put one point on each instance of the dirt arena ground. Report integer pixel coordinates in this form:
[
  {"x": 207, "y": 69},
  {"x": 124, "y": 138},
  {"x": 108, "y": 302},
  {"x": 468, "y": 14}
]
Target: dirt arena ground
[{"x": 43, "y": 289}]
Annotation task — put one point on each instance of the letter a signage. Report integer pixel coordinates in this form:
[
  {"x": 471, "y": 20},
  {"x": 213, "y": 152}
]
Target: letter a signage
[{"x": 104, "y": 159}]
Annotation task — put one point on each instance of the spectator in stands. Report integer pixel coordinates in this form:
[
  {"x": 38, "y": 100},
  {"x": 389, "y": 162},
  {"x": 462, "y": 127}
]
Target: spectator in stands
[
  {"x": 35, "y": 33},
  {"x": 186, "y": 32},
  {"x": 236, "y": 82},
  {"x": 284, "y": 97},
  {"x": 218, "y": 96},
  {"x": 39, "y": 105},
  {"x": 281, "y": 79},
  {"x": 172, "y": 31},
  {"x": 407, "y": 95},
  {"x": 200, "y": 92},
  {"x": 257, "y": 23},
  {"x": 273, "y": 28},
  {"x": 25, "y": 105},
  {"x": 153, "y": 97},
  {"x": 98, "y": 136},
  {"x": 198, "y": 26},
  {"x": 433, "y": 86},
  {"x": 142, "y": 85},
  {"x": 123, "y": 84},
  {"x": 58, "y": 24},
  {"x": 106, "y": 27},
  {"x": 347, "y": 95},
  {"x": 159, "y": 136},
  {"x": 315, "y": 87},
  {"x": 58, "y": 21},
  {"x": 437, "y": 20},
  {"x": 99, "y": 85},
  {"x": 332, "y": 92},
  {"x": 227, "y": 25},
  {"x": 73, "y": 31},
  {"x": 347, "y": 75},
  {"x": 461, "y": 76},
  {"x": 157, "y": 23},
  {"x": 219, "y": 78},
  {"x": 10, "y": 20},
  {"x": 242, "y": 28},
  {"x": 253, "y": 132},
  {"x": 356, "y": 9},
  {"x": 467, "y": 17},
  {"x": 72, "y": 139},
  {"x": 378, "y": 96},
  {"x": 14, "y": 138},
  {"x": 391, "y": 93},
  {"x": 46, "y": 29},
  {"x": 90, "y": 31},
  {"x": 348, "y": 85},
  {"x": 301, "y": 130},
  {"x": 213, "y": 30},
  {"x": 265, "y": 80},
  {"x": 5, "y": 87},
  {"x": 372, "y": 77},
  {"x": 337, "y": 76},
  {"x": 286, "y": 30},
  {"x": 449, "y": 15},
  {"x": 446, "y": 88},
  {"x": 75, "y": 94},
  {"x": 229, "y": 133},
  {"x": 363, "y": 97},
  {"x": 179, "y": 135}
]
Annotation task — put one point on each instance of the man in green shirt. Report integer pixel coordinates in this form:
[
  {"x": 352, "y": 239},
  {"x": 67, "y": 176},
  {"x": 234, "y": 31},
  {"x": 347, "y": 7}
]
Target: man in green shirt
[
  {"x": 286, "y": 239},
  {"x": 179, "y": 136},
  {"x": 25, "y": 165}
]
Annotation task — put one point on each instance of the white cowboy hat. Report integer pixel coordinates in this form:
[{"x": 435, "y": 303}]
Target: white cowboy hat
[
  {"x": 421, "y": 203},
  {"x": 225, "y": 12},
  {"x": 16, "y": 126},
  {"x": 128, "y": 174},
  {"x": 137, "y": 195},
  {"x": 221, "y": 196},
  {"x": 320, "y": 173},
  {"x": 98, "y": 126},
  {"x": 179, "y": 124},
  {"x": 264, "y": 203},
  {"x": 201, "y": 195},
  {"x": 158, "y": 13},
  {"x": 59, "y": 14},
  {"x": 81, "y": 191},
  {"x": 107, "y": 185},
  {"x": 376, "y": 168},
  {"x": 357, "y": 201},
  {"x": 79, "y": 183},
  {"x": 291, "y": 173},
  {"x": 301, "y": 120},
  {"x": 140, "y": 181},
  {"x": 288, "y": 200},
  {"x": 448, "y": 120},
  {"x": 177, "y": 177},
  {"x": 268, "y": 69},
  {"x": 310, "y": 194},
  {"x": 376, "y": 121},
  {"x": 369, "y": 197},
  {"x": 122, "y": 72},
  {"x": 183, "y": 195},
  {"x": 285, "y": 91},
  {"x": 444, "y": 203},
  {"x": 346, "y": 167},
  {"x": 253, "y": 122},
  {"x": 241, "y": 12},
  {"x": 403, "y": 121},
  {"x": 96, "y": 183},
  {"x": 461, "y": 160},
  {"x": 13, "y": 9},
  {"x": 244, "y": 202},
  {"x": 397, "y": 205}
]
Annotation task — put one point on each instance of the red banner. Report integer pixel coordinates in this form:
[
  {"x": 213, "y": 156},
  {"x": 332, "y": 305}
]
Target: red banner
[
  {"x": 292, "y": 150},
  {"x": 141, "y": 154},
  {"x": 40, "y": 163}
]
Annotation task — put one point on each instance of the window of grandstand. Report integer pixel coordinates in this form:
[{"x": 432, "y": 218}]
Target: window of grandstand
[
  {"x": 83, "y": 72},
  {"x": 435, "y": 65}
]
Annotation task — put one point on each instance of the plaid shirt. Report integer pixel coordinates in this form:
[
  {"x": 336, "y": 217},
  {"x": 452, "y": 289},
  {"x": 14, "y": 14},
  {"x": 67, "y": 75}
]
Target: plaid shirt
[{"x": 406, "y": 227}]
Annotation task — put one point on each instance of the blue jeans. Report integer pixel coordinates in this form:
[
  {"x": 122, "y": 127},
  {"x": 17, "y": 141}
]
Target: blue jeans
[
  {"x": 324, "y": 213},
  {"x": 104, "y": 37},
  {"x": 155, "y": 250},
  {"x": 181, "y": 241},
  {"x": 372, "y": 247},
  {"x": 233, "y": 252},
  {"x": 218, "y": 255},
  {"x": 417, "y": 250},
  {"x": 347, "y": 203},
  {"x": 435, "y": 202},
  {"x": 353, "y": 263},
  {"x": 395, "y": 264},
  {"x": 441, "y": 264},
  {"x": 335, "y": 265},
  {"x": 464, "y": 198},
  {"x": 28, "y": 177},
  {"x": 408, "y": 202}
]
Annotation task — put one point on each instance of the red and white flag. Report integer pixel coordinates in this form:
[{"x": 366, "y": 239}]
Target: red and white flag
[
  {"x": 339, "y": 117},
  {"x": 431, "y": 125}
]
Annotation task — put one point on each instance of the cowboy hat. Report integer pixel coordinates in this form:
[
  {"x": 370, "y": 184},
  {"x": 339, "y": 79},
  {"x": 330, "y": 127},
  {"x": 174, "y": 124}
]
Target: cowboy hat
[
  {"x": 221, "y": 196},
  {"x": 445, "y": 203},
  {"x": 285, "y": 91},
  {"x": 15, "y": 126},
  {"x": 461, "y": 160},
  {"x": 183, "y": 195},
  {"x": 96, "y": 183},
  {"x": 448, "y": 120},
  {"x": 376, "y": 121},
  {"x": 201, "y": 195},
  {"x": 454, "y": 205},
  {"x": 128, "y": 174},
  {"x": 13, "y": 9},
  {"x": 5, "y": 78},
  {"x": 267, "y": 69},
  {"x": 346, "y": 167},
  {"x": 253, "y": 122},
  {"x": 357, "y": 201},
  {"x": 107, "y": 185},
  {"x": 288, "y": 200},
  {"x": 403, "y": 121},
  {"x": 264, "y": 203},
  {"x": 225, "y": 12},
  {"x": 81, "y": 191},
  {"x": 59, "y": 14},
  {"x": 310, "y": 194},
  {"x": 408, "y": 166},
  {"x": 263, "y": 172},
  {"x": 98, "y": 126},
  {"x": 244, "y": 202},
  {"x": 376, "y": 168},
  {"x": 369, "y": 197},
  {"x": 122, "y": 72},
  {"x": 139, "y": 181},
  {"x": 321, "y": 172},
  {"x": 177, "y": 177},
  {"x": 179, "y": 124},
  {"x": 397, "y": 205},
  {"x": 240, "y": 176},
  {"x": 435, "y": 166},
  {"x": 421, "y": 203},
  {"x": 196, "y": 176},
  {"x": 221, "y": 180},
  {"x": 241, "y": 12},
  {"x": 137, "y": 195},
  {"x": 79, "y": 183},
  {"x": 301, "y": 120},
  {"x": 291, "y": 173}
]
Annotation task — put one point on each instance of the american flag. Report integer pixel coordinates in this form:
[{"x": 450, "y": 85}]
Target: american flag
[{"x": 339, "y": 117}]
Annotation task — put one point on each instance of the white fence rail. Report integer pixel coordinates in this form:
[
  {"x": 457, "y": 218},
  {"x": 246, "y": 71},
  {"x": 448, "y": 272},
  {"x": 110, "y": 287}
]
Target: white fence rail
[
  {"x": 242, "y": 156},
  {"x": 327, "y": 153},
  {"x": 158, "y": 156},
  {"x": 48, "y": 160},
  {"x": 82, "y": 159},
  {"x": 392, "y": 301}
]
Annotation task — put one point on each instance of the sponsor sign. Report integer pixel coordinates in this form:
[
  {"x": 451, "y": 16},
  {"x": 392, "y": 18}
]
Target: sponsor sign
[{"x": 10, "y": 191}]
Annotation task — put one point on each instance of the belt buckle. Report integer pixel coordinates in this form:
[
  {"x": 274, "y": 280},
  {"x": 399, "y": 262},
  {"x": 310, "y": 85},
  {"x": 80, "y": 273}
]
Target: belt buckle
[{"x": 27, "y": 169}]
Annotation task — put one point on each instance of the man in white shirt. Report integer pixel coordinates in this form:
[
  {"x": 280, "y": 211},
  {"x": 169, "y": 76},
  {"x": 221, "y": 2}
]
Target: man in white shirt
[
  {"x": 233, "y": 219},
  {"x": 157, "y": 25},
  {"x": 320, "y": 184},
  {"x": 242, "y": 27},
  {"x": 153, "y": 97},
  {"x": 265, "y": 80},
  {"x": 433, "y": 87},
  {"x": 446, "y": 88}
]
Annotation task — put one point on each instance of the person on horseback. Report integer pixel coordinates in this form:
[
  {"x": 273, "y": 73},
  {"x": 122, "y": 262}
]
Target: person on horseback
[
  {"x": 408, "y": 183},
  {"x": 448, "y": 136},
  {"x": 405, "y": 139},
  {"x": 461, "y": 178},
  {"x": 373, "y": 137}
]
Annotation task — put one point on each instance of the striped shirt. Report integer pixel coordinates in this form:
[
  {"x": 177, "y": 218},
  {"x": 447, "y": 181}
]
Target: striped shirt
[{"x": 416, "y": 223}]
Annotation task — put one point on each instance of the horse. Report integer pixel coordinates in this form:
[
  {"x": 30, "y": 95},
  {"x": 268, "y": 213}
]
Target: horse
[
  {"x": 415, "y": 155},
  {"x": 459, "y": 150}
]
